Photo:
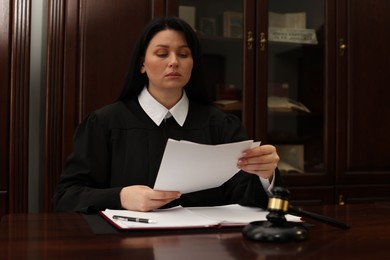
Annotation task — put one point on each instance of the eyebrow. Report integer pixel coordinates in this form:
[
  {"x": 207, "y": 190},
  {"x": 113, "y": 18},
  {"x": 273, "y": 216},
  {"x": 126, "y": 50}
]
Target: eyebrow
[{"x": 167, "y": 46}]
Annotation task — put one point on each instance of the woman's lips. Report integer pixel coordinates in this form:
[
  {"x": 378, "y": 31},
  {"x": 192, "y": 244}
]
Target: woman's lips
[{"x": 173, "y": 74}]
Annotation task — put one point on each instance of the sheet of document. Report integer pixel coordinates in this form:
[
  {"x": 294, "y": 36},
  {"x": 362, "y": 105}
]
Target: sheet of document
[
  {"x": 188, "y": 167},
  {"x": 192, "y": 217}
]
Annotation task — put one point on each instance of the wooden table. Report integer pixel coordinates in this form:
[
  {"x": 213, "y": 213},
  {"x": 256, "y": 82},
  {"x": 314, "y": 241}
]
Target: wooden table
[{"x": 69, "y": 236}]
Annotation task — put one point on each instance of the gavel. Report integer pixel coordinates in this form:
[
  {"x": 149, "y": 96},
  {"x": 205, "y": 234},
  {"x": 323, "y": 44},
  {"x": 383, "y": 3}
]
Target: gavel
[{"x": 277, "y": 228}]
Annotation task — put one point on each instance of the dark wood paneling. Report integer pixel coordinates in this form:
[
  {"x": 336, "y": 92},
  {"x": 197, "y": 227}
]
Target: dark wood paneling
[
  {"x": 107, "y": 35},
  {"x": 368, "y": 88},
  {"x": 304, "y": 196},
  {"x": 172, "y": 7},
  {"x": 89, "y": 46},
  {"x": 363, "y": 106},
  {"x": 14, "y": 92},
  {"x": 261, "y": 72},
  {"x": 17, "y": 94},
  {"x": 54, "y": 90},
  {"x": 249, "y": 56},
  {"x": 5, "y": 57}
]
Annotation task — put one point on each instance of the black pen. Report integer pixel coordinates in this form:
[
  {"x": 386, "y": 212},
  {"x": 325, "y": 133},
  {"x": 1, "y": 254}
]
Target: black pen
[{"x": 133, "y": 219}]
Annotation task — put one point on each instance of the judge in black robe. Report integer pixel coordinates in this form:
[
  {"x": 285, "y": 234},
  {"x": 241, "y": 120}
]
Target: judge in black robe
[{"x": 119, "y": 145}]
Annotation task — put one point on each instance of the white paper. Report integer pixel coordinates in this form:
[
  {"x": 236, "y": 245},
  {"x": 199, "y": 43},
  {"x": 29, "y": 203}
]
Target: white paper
[
  {"x": 304, "y": 36},
  {"x": 193, "y": 217},
  {"x": 188, "y": 167}
]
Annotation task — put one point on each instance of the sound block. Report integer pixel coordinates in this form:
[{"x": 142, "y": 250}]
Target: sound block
[{"x": 268, "y": 232}]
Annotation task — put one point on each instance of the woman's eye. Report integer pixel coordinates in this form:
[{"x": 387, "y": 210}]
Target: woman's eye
[
  {"x": 162, "y": 54},
  {"x": 183, "y": 55}
]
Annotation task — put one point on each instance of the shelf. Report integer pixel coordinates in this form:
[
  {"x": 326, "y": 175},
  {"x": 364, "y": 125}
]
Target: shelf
[
  {"x": 228, "y": 105},
  {"x": 294, "y": 113}
]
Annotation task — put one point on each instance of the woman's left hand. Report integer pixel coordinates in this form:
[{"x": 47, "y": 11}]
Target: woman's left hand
[{"x": 260, "y": 160}]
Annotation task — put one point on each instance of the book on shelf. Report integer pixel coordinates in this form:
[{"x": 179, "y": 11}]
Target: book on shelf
[
  {"x": 285, "y": 104},
  {"x": 188, "y": 14},
  {"x": 287, "y": 20},
  {"x": 291, "y": 28},
  {"x": 189, "y": 217}
]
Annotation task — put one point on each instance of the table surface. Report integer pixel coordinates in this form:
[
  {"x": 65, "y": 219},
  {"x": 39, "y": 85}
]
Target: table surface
[{"x": 69, "y": 236}]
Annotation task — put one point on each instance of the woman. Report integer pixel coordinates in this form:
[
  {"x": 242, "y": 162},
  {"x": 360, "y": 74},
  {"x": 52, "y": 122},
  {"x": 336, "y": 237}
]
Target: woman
[{"x": 118, "y": 148}]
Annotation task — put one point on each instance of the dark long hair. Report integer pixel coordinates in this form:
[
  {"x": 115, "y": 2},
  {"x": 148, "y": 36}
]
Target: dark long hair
[{"x": 135, "y": 80}]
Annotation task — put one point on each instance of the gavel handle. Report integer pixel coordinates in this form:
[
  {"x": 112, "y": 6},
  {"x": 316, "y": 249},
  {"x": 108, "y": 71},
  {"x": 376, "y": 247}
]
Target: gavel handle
[{"x": 302, "y": 213}]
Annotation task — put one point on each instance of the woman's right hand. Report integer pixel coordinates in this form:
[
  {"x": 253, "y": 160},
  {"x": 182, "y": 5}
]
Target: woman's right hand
[{"x": 144, "y": 198}]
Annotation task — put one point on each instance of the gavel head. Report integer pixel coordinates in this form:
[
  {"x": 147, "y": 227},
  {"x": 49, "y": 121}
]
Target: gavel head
[{"x": 278, "y": 205}]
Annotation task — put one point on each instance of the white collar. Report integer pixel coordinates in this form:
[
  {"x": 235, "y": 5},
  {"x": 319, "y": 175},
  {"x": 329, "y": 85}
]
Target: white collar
[{"x": 158, "y": 112}]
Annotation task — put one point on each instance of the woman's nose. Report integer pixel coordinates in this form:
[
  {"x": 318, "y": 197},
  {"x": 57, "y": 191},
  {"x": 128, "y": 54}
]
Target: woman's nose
[{"x": 173, "y": 60}]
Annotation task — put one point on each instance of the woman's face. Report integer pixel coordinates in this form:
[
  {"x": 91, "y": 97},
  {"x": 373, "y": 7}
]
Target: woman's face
[{"x": 168, "y": 62}]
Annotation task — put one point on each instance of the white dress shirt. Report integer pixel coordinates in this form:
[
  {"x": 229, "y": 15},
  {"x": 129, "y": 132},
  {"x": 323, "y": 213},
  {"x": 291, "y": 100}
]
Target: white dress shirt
[{"x": 157, "y": 112}]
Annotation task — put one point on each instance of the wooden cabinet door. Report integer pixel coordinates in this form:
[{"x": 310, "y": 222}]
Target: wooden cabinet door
[
  {"x": 89, "y": 47},
  {"x": 363, "y": 109},
  {"x": 295, "y": 61}
]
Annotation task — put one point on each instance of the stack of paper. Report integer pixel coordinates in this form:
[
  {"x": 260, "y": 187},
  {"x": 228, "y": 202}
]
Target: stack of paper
[{"x": 194, "y": 217}]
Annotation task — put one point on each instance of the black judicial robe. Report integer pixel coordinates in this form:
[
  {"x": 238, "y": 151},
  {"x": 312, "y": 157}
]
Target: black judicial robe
[{"x": 119, "y": 145}]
